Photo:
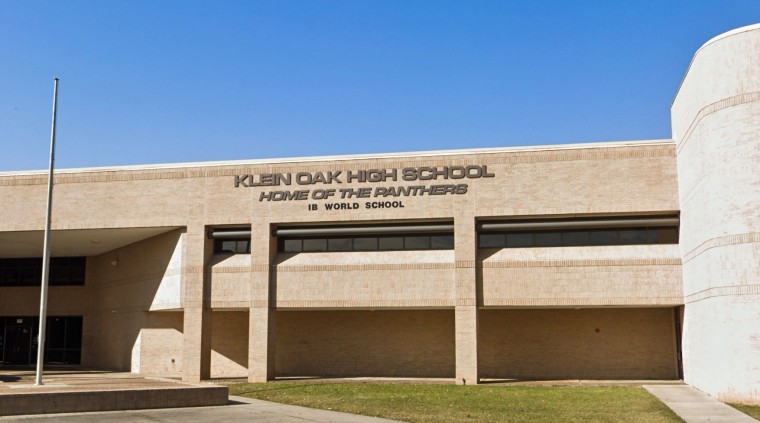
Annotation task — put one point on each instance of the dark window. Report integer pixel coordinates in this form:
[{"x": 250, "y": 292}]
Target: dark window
[
  {"x": 633, "y": 236},
  {"x": 63, "y": 340},
  {"x": 493, "y": 240},
  {"x": 367, "y": 243},
  {"x": 232, "y": 246},
  {"x": 604, "y": 237},
  {"x": 662, "y": 236},
  {"x": 291, "y": 246},
  {"x": 339, "y": 244},
  {"x": 74, "y": 332},
  {"x": 388, "y": 243},
  {"x": 520, "y": 240},
  {"x": 314, "y": 244},
  {"x": 28, "y": 271},
  {"x": 548, "y": 239},
  {"x": 442, "y": 242},
  {"x": 576, "y": 237},
  {"x": 57, "y": 337},
  {"x": 417, "y": 243}
]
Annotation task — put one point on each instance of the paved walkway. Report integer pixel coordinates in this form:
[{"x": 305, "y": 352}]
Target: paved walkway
[
  {"x": 244, "y": 410},
  {"x": 694, "y": 406}
]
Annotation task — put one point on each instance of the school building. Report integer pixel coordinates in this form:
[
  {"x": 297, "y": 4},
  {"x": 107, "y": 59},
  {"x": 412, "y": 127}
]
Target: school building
[{"x": 620, "y": 260}]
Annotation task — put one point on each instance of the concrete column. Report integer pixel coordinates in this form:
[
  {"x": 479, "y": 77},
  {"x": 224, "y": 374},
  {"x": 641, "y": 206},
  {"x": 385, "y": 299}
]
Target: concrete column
[
  {"x": 466, "y": 310},
  {"x": 261, "y": 324},
  {"x": 196, "y": 355}
]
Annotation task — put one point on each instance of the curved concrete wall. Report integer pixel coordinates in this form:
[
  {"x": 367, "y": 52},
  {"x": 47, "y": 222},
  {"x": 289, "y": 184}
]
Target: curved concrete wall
[{"x": 716, "y": 126}]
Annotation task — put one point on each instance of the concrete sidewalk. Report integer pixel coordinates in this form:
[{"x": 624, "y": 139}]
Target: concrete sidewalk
[
  {"x": 242, "y": 410},
  {"x": 694, "y": 406}
]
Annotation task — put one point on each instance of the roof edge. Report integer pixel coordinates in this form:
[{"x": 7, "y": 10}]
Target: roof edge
[
  {"x": 311, "y": 159},
  {"x": 712, "y": 40}
]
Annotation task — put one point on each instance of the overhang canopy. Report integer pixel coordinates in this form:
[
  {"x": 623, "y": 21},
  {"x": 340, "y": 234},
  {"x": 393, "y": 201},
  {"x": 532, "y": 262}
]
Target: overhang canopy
[{"x": 75, "y": 242}]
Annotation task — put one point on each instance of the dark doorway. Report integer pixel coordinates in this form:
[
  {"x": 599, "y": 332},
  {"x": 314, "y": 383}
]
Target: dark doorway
[
  {"x": 18, "y": 345},
  {"x": 18, "y": 340}
]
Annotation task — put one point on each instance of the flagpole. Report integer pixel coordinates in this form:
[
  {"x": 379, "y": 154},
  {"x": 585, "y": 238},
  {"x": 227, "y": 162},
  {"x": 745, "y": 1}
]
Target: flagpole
[{"x": 46, "y": 254}]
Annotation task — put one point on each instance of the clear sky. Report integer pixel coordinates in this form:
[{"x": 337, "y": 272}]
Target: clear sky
[{"x": 175, "y": 81}]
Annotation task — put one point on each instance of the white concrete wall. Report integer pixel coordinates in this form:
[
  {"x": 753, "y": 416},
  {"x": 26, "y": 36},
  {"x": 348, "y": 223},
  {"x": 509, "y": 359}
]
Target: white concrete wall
[{"x": 716, "y": 125}]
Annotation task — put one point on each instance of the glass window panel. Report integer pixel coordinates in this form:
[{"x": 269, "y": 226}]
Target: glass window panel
[
  {"x": 54, "y": 356},
  {"x": 30, "y": 275},
  {"x": 291, "y": 245},
  {"x": 228, "y": 246},
  {"x": 442, "y": 242},
  {"x": 669, "y": 235},
  {"x": 520, "y": 239},
  {"x": 575, "y": 238},
  {"x": 243, "y": 246},
  {"x": 315, "y": 244},
  {"x": 56, "y": 332},
  {"x": 59, "y": 271},
  {"x": 74, "y": 332},
  {"x": 339, "y": 244},
  {"x": 11, "y": 275},
  {"x": 417, "y": 242},
  {"x": 663, "y": 236},
  {"x": 633, "y": 236},
  {"x": 77, "y": 267},
  {"x": 73, "y": 356},
  {"x": 493, "y": 241},
  {"x": 5, "y": 274},
  {"x": 365, "y": 244},
  {"x": 548, "y": 239},
  {"x": 391, "y": 243},
  {"x": 604, "y": 237}
]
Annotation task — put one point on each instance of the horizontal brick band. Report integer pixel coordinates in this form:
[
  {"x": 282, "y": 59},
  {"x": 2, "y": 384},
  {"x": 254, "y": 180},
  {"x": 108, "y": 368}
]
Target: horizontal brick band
[
  {"x": 229, "y": 304},
  {"x": 714, "y": 107},
  {"x": 427, "y": 303},
  {"x": 582, "y": 263},
  {"x": 577, "y": 302},
  {"x": 746, "y": 238},
  {"x": 722, "y": 291},
  {"x": 356, "y": 267},
  {"x": 234, "y": 269},
  {"x": 458, "y": 264}
]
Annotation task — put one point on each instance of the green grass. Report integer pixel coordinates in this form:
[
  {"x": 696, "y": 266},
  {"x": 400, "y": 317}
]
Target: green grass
[
  {"x": 451, "y": 403},
  {"x": 750, "y": 410}
]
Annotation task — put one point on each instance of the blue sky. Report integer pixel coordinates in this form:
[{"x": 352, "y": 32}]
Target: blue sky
[{"x": 173, "y": 81}]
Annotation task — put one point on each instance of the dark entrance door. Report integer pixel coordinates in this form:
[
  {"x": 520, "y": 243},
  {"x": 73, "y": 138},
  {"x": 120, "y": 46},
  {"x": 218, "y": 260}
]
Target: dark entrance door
[{"x": 18, "y": 345}]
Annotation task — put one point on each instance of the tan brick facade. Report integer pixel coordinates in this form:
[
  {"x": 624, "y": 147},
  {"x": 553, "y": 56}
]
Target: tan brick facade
[
  {"x": 414, "y": 343},
  {"x": 619, "y": 343},
  {"x": 157, "y": 300}
]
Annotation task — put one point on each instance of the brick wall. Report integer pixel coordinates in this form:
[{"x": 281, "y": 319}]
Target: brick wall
[
  {"x": 120, "y": 333},
  {"x": 229, "y": 344},
  {"x": 365, "y": 343},
  {"x": 565, "y": 344}
]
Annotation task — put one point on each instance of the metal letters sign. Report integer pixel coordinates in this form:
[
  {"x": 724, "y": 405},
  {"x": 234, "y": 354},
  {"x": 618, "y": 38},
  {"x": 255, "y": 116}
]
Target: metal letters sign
[{"x": 454, "y": 175}]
